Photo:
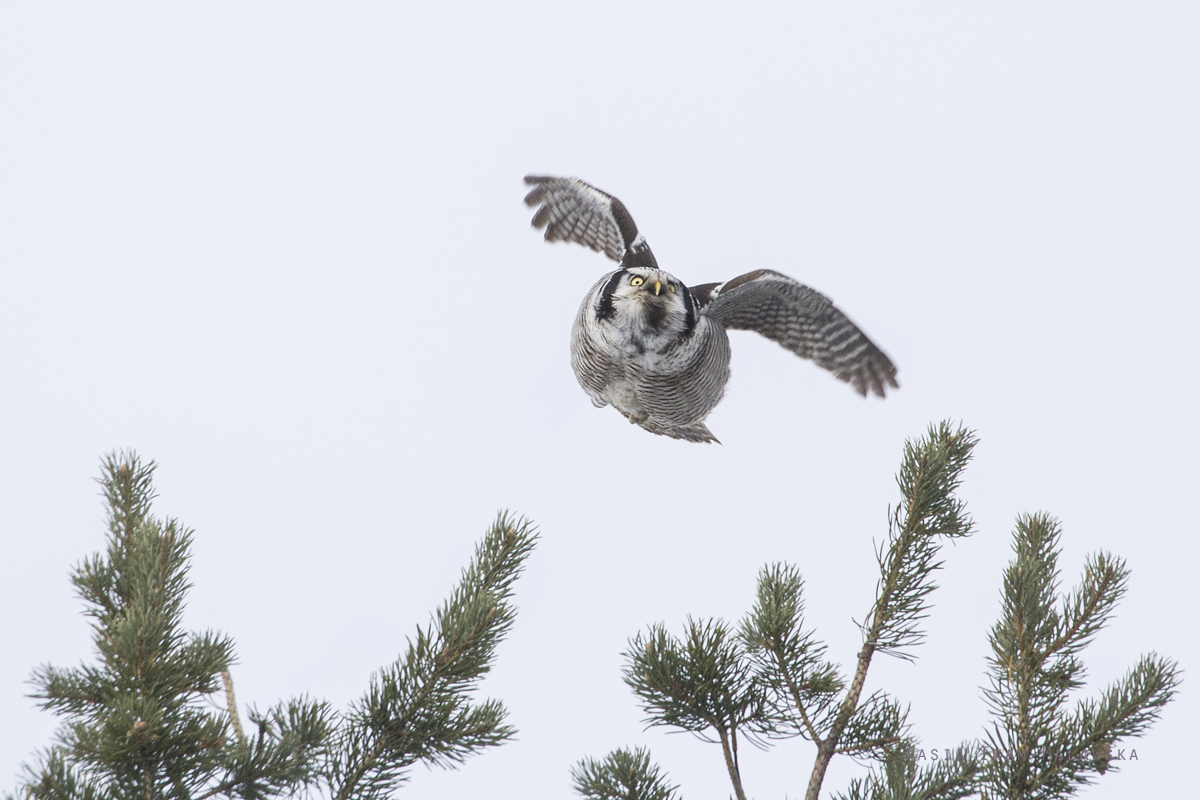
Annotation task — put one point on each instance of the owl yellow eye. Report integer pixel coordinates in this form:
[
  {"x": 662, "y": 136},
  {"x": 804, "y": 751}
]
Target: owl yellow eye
[
  {"x": 637, "y": 281},
  {"x": 672, "y": 288}
]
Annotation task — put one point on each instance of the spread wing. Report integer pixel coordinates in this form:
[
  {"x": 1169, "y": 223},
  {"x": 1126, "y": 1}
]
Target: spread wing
[
  {"x": 573, "y": 211},
  {"x": 802, "y": 320}
]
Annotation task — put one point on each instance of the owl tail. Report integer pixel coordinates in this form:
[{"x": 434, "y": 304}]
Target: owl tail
[{"x": 698, "y": 432}]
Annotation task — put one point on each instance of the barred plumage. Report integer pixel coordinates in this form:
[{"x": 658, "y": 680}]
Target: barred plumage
[{"x": 661, "y": 357}]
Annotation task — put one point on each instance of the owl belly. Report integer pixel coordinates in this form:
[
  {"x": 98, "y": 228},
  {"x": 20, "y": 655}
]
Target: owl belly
[
  {"x": 622, "y": 394},
  {"x": 657, "y": 399},
  {"x": 672, "y": 386},
  {"x": 680, "y": 386}
]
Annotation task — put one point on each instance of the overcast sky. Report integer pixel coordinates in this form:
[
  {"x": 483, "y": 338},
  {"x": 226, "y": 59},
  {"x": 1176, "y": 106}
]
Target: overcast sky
[{"x": 280, "y": 249}]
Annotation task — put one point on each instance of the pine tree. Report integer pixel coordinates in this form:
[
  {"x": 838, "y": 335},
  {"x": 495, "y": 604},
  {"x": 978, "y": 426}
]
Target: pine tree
[
  {"x": 624, "y": 775},
  {"x": 1039, "y": 748},
  {"x": 771, "y": 679},
  {"x": 141, "y": 724}
]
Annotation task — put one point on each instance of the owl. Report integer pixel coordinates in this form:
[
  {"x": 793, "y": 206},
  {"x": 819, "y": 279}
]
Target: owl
[{"x": 656, "y": 349}]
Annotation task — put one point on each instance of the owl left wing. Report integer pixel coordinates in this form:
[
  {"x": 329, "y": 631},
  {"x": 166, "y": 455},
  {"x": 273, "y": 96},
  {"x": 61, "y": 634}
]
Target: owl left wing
[
  {"x": 573, "y": 211},
  {"x": 802, "y": 320}
]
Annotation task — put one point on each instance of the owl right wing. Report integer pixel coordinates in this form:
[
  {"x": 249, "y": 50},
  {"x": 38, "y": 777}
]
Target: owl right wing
[
  {"x": 802, "y": 320},
  {"x": 573, "y": 211}
]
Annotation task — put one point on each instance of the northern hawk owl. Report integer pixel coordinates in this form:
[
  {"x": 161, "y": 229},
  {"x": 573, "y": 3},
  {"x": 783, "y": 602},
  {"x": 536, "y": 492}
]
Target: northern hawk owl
[{"x": 657, "y": 350}]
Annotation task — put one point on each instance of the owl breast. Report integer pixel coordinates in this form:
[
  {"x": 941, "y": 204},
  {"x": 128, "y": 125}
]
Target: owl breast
[{"x": 664, "y": 381}]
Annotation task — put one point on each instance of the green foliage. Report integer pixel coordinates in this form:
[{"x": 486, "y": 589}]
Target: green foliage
[
  {"x": 774, "y": 679},
  {"x": 804, "y": 690},
  {"x": 419, "y": 709},
  {"x": 929, "y": 511},
  {"x": 142, "y": 724},
  {"x": 700, "y": 683},
  {"x": 622, "y": 775},
  {"x": 950, "y": 778},
  {"x": 1038, "y": 748},
  {"x": 285, "y": 751},
  {"x": 801, "y": 686},
  {"x": 137, "y": 724}
]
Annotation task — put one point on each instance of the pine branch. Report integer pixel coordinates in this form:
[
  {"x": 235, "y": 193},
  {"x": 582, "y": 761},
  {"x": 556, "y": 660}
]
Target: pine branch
[
  {"x": 802, "y": 687},
  {"x": 1089, "y": 608},
  {"x": 286, "y": 750},
  {"x": 877, "y": 726},
  {"x": 56, "y": 779},
  {"x": 1038, "y": 749},
  {"x": 700, "y": 684},
  {"x": 951, "y": 778},
  {"x": 231, "y": 706},
  {"x": 928, "y": 479},
  {"x": 418, "y": 709},
  {"x": 622, "y": 775},
  {"x": 929, "y": 511}
]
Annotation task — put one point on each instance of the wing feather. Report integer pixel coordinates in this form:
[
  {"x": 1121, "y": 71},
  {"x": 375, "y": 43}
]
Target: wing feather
[
  {"x": 804, "y": 321},
  {"x": 573, "y": 211}
]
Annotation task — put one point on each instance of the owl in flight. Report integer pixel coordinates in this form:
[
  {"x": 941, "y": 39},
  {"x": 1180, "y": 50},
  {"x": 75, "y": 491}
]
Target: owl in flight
[{"x": 655, "y": 349}]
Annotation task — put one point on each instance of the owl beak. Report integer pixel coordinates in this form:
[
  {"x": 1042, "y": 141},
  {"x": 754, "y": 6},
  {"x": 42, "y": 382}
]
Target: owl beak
[{"x": 657, "y": 287}]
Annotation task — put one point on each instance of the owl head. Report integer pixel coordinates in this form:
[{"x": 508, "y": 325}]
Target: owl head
[{"x": 650, "y": 297}]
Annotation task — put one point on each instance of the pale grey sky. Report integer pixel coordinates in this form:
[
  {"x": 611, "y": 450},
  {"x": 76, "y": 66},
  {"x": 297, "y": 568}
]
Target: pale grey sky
[{"x": 281, "y": 249}]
